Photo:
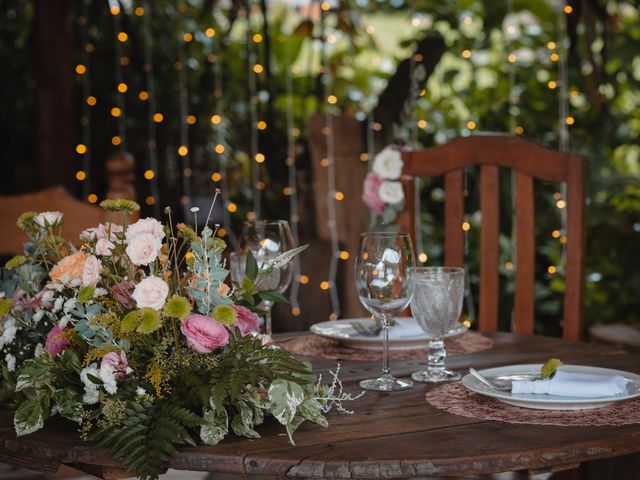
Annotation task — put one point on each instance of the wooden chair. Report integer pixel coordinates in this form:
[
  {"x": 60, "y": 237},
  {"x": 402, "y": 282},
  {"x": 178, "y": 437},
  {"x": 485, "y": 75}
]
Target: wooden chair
[
  {"x": 77, "y": 215},
  {"x": 530, "y": 162}
]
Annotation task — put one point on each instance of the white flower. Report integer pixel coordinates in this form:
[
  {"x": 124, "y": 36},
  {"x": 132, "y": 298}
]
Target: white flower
[
  {"x": 48, "y": 219},
  {"x": 104, "y": 247},
  {"x": 388, "y": 164},
  {"x": 38, "y": 351},
  {"x": 143, "y": 248},
  {"x": 109, "y": 231},
  {"x": 151, "y": 293},
  {"x": 140, "y": 391},
  {"x": 145, "y": 225},
  {"x": 10, "y": 360},
  {"x": 64, "y": 321},
  {"x": 57, "y": 305},
  {"x": 391, "y": 192},
  {"x": 107, "y": 375},
  {"x": 89, "y": 234},
  {"x": 37, "y": 316},
  {"x": 91, "y": 394},
  {"x": 91, "y": 271},
  {"x": 69, "y": 304},
  {"x": 99, "y": 292},
  {"x": 9, "y": 330}
]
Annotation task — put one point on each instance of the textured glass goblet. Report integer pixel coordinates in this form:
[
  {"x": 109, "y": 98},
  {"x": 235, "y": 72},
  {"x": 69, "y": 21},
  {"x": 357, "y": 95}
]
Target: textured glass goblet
[
  {"x": 384, "y": 288},
  {"x": 436, "y": 305},
  {"x": 265, "y": 239}
]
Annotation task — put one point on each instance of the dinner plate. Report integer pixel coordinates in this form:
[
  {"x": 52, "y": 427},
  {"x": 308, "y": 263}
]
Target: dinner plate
[
  {"x": 549, "y": 402},
  {"x": 406, "y": 335}
]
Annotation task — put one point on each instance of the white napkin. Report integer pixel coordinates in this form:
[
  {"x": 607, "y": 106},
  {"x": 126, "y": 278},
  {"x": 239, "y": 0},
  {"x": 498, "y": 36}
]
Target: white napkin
[
  {"x": 405, "y": 327},
  {"x": 571, "y": 384}
]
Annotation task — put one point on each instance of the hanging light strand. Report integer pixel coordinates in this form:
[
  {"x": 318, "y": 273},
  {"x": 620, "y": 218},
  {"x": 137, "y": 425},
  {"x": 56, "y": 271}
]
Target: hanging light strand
[
  {"x": 183, "y": 149},
  {"x": 331, "y": 173},
  {"x": 256, "y": 157},
  {"x": 85, "y": 174},
  {"x": 563, "y": 104},
  {"x": 152, "y": 142},
  {"x": 119, "y": 39}
]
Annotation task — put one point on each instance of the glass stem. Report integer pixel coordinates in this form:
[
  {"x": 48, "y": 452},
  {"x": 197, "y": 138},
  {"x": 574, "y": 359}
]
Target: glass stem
[
  {"x": 385, "y": 345},
  {"x": 436, "y": 353},
  {"x": 267, "y": 317}
]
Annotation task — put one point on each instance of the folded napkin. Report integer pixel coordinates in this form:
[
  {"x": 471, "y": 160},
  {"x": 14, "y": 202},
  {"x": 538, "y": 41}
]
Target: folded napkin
[{"x": 570, "y": 384}]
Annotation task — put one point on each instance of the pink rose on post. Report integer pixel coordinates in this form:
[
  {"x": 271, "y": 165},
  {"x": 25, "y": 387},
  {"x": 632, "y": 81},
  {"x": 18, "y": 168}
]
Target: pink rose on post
[
  {"x": 104, "y": 247},
  {"x": 371, "y": 193},
  {"x": 118, "y": 363},
  {"x": 91, "y": 271},
  {"x": 151, "y": 293},
  {"x": 204, "y": 334},
  {"x": 246, "y": 320},
  {"x": 148, "y": 225},
  {"x": 143, "y": 248},
  {"x": 56, "y": 341}
]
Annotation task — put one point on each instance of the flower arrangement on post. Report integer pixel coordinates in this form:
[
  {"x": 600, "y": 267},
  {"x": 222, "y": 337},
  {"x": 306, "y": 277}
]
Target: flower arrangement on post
[
  {"x": 382, "y": 190},
  {"x": 136, "y": 337}
]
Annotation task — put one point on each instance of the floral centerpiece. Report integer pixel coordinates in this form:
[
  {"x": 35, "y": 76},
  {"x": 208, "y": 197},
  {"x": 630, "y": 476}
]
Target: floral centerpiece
[
  {"x": 382, "y": 189},
  {"x": 136, "y": 337}
]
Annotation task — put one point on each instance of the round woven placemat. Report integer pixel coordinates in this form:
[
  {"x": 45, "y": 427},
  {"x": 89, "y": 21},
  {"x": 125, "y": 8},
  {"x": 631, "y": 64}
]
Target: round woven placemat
[
  {"x": 456, "y": 399},
  {"x": 318, "y": 347}
]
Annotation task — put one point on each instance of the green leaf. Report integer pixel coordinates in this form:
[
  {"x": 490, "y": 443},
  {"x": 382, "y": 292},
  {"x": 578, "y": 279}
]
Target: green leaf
[
  {"x": 242, "y": 423},
  {"x": 251, "y": 266},
  {"x": 284, "y": 398},
  {"x": 5, "y": 307},
  {"x": 216, "y": 426},
  {"x": 29, "y": 417},
  {"x": 95, "y": 379},
  {"x": 273, "y": 297},
  {"x": 69, "y": 404}
]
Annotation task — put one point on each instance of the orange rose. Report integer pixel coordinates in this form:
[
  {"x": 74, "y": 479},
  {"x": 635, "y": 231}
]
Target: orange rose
[{"x": 68, "y": 269}]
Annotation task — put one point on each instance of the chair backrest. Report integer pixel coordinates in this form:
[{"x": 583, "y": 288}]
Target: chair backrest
[
  {"x": 529, "y": 161},
  {"x": 77, "y": 215}
]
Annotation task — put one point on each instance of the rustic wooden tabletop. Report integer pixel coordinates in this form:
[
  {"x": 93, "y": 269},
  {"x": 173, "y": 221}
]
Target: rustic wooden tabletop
[{"x": 390, "y": 435}]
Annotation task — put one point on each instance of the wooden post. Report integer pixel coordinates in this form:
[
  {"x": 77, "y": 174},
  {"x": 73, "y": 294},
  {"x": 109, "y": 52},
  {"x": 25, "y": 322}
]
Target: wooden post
[{"x": 54, "y": 102}]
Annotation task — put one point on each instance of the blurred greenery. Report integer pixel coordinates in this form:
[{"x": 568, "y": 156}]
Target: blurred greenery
[{"x": 474, "y": 88}]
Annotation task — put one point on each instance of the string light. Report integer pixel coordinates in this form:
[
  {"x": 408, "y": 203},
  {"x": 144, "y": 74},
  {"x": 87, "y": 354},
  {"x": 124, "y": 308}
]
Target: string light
[
  {"x": 92, "y": 198},
  {"x": 183, "y": 149},
  {"x": 120, "y": 37},
  {"x": 91, "y": 101},
  {"x": 253, "y": 69},
  {"x": 158, "y": 117},
  {"x": 210, "y": 32},
  {"x": 84, "y": 147},
  {"x": 81, "y": 175}
]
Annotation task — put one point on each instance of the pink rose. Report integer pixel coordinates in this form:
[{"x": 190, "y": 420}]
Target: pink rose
[
  {"x": 56, "y": 341},
  {"x": 104, "y": 247},
  {"x": 118, "y": 363},
  {"x": 204, "y": 334},
  {"x": 246, "y": 320},
  {"x": 91, "y": 271},
  {"x": 148, "y": 225},
  {"x": 371, "y": 193},
  {"x": 143, "y": 249},
  {"x": 151, "y": 293}
]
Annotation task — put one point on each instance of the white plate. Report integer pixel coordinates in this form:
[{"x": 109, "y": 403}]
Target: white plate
[
  {"x": 406, "y": 335},
  {"x": 550, "y": 402}
]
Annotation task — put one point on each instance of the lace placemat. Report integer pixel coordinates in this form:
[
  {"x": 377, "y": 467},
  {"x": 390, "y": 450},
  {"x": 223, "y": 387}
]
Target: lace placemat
[
  {"x": 319, "y": 347},
  {"x": 456, "y": 399}
]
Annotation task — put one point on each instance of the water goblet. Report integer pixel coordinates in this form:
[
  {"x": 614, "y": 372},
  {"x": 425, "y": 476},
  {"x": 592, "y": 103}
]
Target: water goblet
[
  {"x": 436, "y": 305},
  {"x": 265, "y": 239},
  {"x": 384, "y": 288}
]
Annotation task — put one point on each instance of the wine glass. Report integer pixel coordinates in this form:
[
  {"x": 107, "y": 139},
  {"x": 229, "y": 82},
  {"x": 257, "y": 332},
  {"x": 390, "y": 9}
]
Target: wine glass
[
  {"x": 384, "y": 288},
  {"x": 436, "y": 305},
  {"x": 265, "y": 239}
]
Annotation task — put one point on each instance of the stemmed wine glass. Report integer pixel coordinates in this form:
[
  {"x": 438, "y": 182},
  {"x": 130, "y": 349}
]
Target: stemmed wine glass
[
  {"x": 265, "y": 239},
  {"x": 436, "y": 305},
  {"x": 384, "y": 288}
]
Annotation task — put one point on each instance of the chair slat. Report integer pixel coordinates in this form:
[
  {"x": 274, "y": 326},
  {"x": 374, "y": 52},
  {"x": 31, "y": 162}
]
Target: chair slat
[
  {"x": 573, "y": 323},
  {"x": 489, "y": 248},
  {"x": 453, "y": 217},
  {"x": 524, "y": 304}
]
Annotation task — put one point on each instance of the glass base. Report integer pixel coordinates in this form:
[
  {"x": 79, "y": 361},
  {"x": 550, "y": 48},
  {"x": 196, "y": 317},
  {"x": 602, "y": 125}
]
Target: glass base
[
  {"x": 435, "y": 375},
  {"x": 386, "y": 383}
]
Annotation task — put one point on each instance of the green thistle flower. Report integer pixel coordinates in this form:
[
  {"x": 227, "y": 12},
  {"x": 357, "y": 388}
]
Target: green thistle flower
[
  {"x": 25, "y": 221},
  {"x": 5, "y": 306},
  {"x": 130, "y": 321},
  {"x": 550, "y": 367},
  {"x": 177, "y": 307},
  {"x": 187, "y": 233},
  {"x": 15, "y": 262},
  {"x": 225, "y": 315},
  {"x": 120, "y": 205},
  {"x": 150, "y": 322}
]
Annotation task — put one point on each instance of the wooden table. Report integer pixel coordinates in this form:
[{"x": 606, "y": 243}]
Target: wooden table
[{"x": 391, "y": 435}]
